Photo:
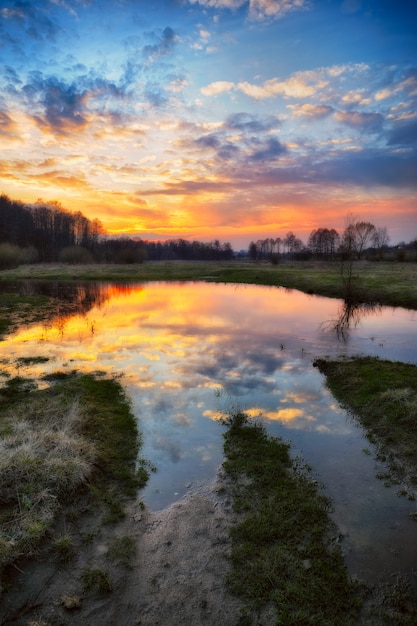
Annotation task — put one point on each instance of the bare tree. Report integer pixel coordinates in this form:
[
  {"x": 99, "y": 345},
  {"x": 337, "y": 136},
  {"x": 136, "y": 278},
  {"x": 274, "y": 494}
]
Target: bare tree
[{"x": 357, "y": 237}]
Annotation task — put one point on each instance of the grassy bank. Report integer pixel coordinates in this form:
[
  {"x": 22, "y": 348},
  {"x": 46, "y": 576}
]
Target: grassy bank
[
  {"x": 75, "y": 439},
  {"x": 383, "y": 397},
  {"x": 287, "y": 563},
  {"x": 285, "y": 551},
  {"x": 387, "y": 283}
]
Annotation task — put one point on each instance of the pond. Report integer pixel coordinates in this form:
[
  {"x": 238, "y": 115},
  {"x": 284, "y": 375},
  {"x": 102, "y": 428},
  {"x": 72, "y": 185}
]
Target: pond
[{"x": 189, "y": 352}]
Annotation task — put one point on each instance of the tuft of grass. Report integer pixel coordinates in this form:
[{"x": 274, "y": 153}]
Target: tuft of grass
[
  {"x": 96, "y": 580},
  {"x": 122, "y": 549},
  {"x": 64, "y": 548},
  {"x": 71, "y": 603},
  {"x": 284, "y": 550}
]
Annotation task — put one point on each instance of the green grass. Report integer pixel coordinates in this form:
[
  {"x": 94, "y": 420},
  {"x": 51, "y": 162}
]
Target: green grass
[
  {"x": 284, "y": 549},
  {"x": 387, "y": 283},
  {"x": 64, "y": 548},
  {"x": 121, "y": 550},
  {"x": 383, "y": 397},
  {"x": 96, "y": 580}
]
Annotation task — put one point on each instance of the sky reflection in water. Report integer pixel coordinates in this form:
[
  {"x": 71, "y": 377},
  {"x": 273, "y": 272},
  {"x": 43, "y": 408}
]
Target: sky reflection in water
[{"x": 190, "y": 351}]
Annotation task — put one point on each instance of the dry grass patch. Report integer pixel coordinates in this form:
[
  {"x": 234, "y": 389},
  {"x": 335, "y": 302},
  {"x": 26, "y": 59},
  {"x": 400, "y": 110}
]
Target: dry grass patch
[{"x": 43, "y": 460}]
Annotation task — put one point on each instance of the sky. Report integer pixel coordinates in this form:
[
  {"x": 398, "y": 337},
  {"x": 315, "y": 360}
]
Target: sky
[{"x": 234, "y": 120}]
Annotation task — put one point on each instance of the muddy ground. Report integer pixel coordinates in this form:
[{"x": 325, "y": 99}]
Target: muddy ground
[{"x": 176, "y": 574}]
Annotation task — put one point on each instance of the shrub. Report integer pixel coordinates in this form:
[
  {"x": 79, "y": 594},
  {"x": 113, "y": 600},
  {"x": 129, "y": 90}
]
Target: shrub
[
  {"x": 75, "y": 255},
  {"x": 10, "y": 256}
]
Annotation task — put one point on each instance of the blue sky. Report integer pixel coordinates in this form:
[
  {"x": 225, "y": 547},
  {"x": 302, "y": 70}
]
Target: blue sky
[{"x": 230, "y": 119}]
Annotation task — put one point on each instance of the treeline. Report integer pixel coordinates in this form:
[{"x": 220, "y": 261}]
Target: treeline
[
  {"x": 43, "y": 230},
  {"x": 46, "y": 232},
  {"x": 188, "y": 250},
  {"x": 359, "y": 239}
]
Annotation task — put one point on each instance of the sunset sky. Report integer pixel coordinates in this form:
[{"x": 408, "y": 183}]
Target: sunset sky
[{"x": 203, "y": 119}]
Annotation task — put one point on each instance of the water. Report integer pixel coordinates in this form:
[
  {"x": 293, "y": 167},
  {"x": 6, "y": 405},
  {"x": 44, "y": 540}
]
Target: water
[{"x": 190, "y": 351}]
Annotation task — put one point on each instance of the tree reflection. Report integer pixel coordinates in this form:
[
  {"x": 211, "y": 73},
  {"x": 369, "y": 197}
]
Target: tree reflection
[
  {"x": 65, "y": 300},
  {"x": 350, "y": 314}
]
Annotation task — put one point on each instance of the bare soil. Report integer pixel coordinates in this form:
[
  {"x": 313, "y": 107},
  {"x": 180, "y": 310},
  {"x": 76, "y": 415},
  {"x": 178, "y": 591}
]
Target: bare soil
[{"x": 176, "y": 574}]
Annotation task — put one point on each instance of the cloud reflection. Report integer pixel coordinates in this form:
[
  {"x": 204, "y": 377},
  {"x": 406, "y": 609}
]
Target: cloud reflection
[{"x": 186, "y": 349}]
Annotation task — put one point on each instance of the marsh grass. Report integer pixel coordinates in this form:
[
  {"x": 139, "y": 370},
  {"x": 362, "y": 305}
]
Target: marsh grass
[
  {"x": 24, "y": 308},
  {"x": 383, "y": 396},
  {"x": 55, "y": 443},
  {"x": 284, "y": 548}
]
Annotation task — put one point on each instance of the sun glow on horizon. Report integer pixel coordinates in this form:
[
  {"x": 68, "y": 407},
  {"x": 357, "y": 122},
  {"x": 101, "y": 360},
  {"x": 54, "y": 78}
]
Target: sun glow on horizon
[{"x": 183, "y": 124}]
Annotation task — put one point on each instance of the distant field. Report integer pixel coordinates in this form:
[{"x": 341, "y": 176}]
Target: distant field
[{"x": 388, "y": 283}]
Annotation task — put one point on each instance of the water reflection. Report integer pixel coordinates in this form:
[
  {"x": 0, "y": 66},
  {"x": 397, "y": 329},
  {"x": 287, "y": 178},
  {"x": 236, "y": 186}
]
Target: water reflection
[
  {"x": 349, "y": 316},
  {"x": 188, "y": 352}
]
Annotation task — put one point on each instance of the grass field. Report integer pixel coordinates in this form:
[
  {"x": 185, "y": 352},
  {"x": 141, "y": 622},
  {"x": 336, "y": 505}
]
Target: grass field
[{"x": 392, "y": 284}]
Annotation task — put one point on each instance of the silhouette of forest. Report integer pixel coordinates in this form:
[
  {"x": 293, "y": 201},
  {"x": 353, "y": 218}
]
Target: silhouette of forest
[{"x": 46, "y": 232}]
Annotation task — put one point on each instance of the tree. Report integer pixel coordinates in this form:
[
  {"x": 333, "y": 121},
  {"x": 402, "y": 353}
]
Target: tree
[
  {"x": 356, "y": 237},
  {"x": 253, "y": 251},
  {"x": 380, "y": 240},
  {"x": 289, "y": 242},
  {"x": 323, "y": 243}
]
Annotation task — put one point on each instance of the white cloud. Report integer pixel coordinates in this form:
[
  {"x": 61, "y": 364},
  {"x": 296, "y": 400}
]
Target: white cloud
[
  {"x": 300, "y": 85},
  {"x": 310, "y": 111},
  {"x": 267, "y": 9},
  {"x": 258, "y": 10},
  {"x": 219, "y": 4},
  {"x": 216, "y": 88}
]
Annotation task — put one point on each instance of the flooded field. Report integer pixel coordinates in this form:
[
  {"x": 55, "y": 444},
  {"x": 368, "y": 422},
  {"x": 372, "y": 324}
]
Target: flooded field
[{"x": 189, "y": 352}]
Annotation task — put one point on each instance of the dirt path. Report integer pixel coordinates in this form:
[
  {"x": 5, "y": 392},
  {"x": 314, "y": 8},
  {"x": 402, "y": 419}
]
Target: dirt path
[{"x": 176, "y": 575}]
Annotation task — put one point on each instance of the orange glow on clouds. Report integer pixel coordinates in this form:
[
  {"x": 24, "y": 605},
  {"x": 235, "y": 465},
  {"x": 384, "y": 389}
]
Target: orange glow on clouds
[{"x": 166, "y": 131}]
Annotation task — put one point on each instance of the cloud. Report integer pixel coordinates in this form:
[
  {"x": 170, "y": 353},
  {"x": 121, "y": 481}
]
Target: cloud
[
  {"x": 273, "y": 9},
  {"x": 258, "y": 10},
  {"x": 246, "y": 122},
  {"x": 270, "y": 152},
  {"x": 216, "y": 88},
  {"x": 12, "y": 77},
  {"x": 368, "y": 168},
  {"x": 299, "y": 85},
  {"x": 242, "y": 137},
  {"x": 8, "y": 126},
  {"x": 63, "y": 108},
  {"x": 164, "y": 45},
  {"x": 154, "y": 95},
  {"x": 366, "y": 122},
  {"x": 397, "y": 82},
  {"x": 33, "y": 19},
  {"x": 311, "y": 111},
  {"x": 403, "y": 133}
]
